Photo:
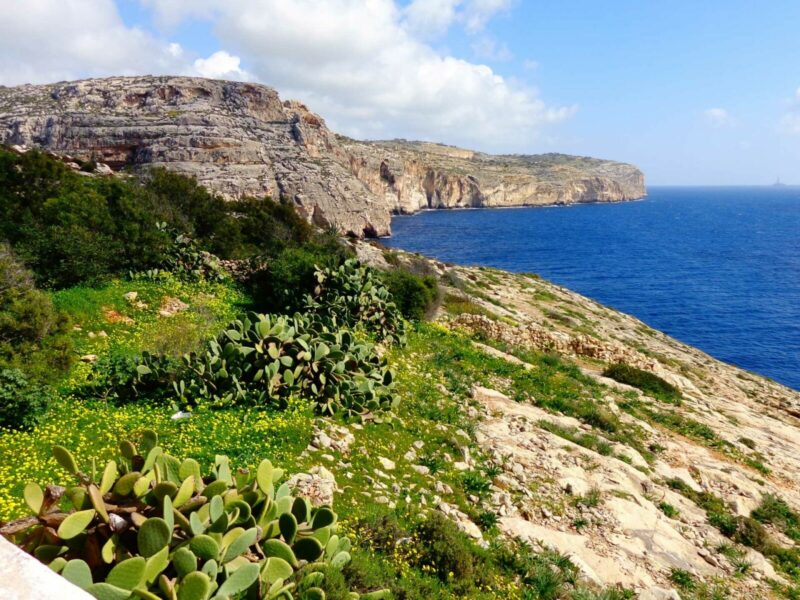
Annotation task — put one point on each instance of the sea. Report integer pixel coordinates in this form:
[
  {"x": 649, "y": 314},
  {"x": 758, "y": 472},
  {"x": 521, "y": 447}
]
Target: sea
[{"x": 715, "y": 267}]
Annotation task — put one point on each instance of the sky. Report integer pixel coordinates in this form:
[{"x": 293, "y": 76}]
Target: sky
[{"x": 694, "y": 93}]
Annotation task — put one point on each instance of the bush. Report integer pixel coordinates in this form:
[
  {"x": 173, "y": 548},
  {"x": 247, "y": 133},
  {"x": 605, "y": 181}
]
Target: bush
[
  {"x": 152, "y": 526},
  {"x": 21, "y": 402},
  {"x": 283, "y": 285},
  {"x": 414, "y": 295},
  {"x": 647, "y": 382},
  {"x": 261, "y": 361},
  {"x": 446, "y": 550},
  {"x": 183, "y": 259},
  {"x": 33, "y": 333},
  {"x": 774, "y": 510},
  {"x": 119, "y": 377},
  {"x": 264, "y": 359}
]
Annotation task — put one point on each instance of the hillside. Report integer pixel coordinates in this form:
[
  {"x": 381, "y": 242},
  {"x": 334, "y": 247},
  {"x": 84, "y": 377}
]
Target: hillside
[
  {"x": 241, "y": 139},
  {"x": 206, "y": 398}
]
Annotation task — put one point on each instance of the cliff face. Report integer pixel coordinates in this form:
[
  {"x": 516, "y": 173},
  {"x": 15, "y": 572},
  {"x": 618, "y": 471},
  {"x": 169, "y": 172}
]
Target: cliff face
[
  {"x": 241, "y": 139},
  {"x": 411, "y": 176}
]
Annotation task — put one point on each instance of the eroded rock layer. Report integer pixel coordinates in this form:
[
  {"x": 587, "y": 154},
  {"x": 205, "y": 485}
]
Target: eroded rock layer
[{"x": 242, "y": 139}]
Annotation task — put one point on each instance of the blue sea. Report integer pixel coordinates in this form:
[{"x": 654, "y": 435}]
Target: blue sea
[{"x": 715, "y": 267}]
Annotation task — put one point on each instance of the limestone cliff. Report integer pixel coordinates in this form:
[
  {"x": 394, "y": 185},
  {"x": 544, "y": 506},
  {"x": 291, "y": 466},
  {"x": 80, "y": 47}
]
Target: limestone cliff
[
  {"x": 411, "y": 176},
  {"x": 241, "y": 139}
]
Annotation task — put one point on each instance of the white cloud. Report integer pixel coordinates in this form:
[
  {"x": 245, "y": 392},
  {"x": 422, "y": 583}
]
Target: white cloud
[
  {"x": 479, "y": 12},
  {"x": 718, "y": 117},
  {"x": 430, "y": 17},
  {"x": 790, "y": 123},
  {"x": 530, "y": 65},
  {"x": 362, "y": 66},
  {"x": 221, "y": 65},
  {"x": 42, "y": 41},
  {"x": 49, "y": 40}
]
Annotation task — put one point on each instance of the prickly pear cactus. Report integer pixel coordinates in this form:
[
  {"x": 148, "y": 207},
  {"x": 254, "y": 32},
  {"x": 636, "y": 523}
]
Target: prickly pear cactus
[
  {"x": 267, "y": 359},
  {"x": 350, "y": 295},
  {"x": 150, "y": 526}
]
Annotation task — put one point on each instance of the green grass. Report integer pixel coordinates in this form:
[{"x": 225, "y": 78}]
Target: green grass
[
  {"x": 775, "y": 511},
  {"x": 649, "y": 383},
  {"x": 92, "y": 429},
  {"x": 587, "y": 440},
  {"x": 692, "y": 429},
  {"x": 669, "y": 510}
]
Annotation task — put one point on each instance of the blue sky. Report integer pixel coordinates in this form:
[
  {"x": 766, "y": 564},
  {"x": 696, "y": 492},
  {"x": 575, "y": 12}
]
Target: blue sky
[{"x": 692, "y": 92}]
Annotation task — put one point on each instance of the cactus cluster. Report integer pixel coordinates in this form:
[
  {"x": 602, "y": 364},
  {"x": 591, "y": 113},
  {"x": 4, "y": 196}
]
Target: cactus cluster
[
  {"x": 351, "y": 295},
  {"x": 150, "y": 526},
  {"x": 265, "y": 360}
]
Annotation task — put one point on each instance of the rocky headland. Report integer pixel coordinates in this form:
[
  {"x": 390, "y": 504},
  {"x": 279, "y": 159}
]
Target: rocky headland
[{"x": 242, "y": 139}]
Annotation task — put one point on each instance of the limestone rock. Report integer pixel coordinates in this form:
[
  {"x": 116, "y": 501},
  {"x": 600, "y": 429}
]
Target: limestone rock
[{"x": 318, "y": 486}]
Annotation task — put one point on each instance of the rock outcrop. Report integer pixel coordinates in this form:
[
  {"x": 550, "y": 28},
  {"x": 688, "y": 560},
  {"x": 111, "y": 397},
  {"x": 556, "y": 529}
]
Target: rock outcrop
[{"x": 242, "y": 139}]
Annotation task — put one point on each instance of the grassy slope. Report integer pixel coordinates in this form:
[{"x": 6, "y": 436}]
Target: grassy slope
[{"x": 436, "y": 371}]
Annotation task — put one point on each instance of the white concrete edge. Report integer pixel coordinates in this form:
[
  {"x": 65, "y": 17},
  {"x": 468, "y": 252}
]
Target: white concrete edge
[{"x": 22, "y": 577}]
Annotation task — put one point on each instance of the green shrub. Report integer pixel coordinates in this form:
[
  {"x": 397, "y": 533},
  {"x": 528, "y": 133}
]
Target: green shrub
[
  {"x": 683, "y": 579},
  {"x": 644, "y": 380},
  {"x": 284, "y": 284},
  {"x": 74, "y": 229},
  {"x": 185, "y": 260},
  {"x": 70, "y": 228},
  {"x": 261, "y": 360},
  {"x": 150, "y": 525},
  {"x": 774, "y": 510},
  {"x": 123, "y": 378},
  {"x": 475, "y": 482},
  {"x": 33, "y": 333},
  {"x": 446, "y": 550},
  {"x": 669, "y": 510},
  {"x": 414, "y": 295},
  {"x": 21, "y": 402}
]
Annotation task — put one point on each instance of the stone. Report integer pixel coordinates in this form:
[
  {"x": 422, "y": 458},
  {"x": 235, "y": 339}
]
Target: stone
[
  {"x": 171, "y": 306},
  {"x": 387, "y": 464},
  {"x": 318, "y": 485},
  {"x": 659, "y": 593},
  {"x": 421, "y": 469},
  {"x": 89, "y": 358},
  {"x": 574, "y": 486}
]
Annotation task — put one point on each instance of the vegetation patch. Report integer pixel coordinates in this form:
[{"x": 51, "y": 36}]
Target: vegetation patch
[{"x": 649, "y": 383}]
